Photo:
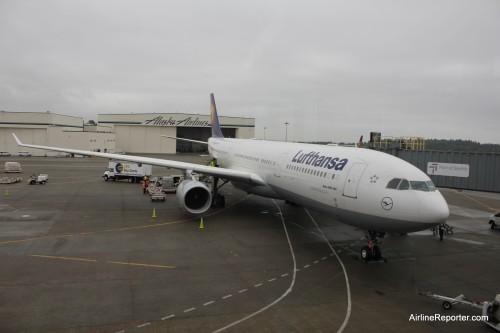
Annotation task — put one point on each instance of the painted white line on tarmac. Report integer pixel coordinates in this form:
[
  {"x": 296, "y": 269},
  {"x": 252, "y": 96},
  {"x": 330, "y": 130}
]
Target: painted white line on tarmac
[
  {"x": 168, "y": 317},
  {"x": 349, "y": 303},
  {"x": 279, "y": 299}
]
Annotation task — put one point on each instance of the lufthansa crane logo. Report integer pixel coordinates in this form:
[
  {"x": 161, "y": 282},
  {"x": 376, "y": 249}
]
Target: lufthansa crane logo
[{"x": 387, "y": 203}]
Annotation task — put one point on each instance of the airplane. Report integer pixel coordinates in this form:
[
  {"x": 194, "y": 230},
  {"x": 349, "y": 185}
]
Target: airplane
[{"x": 367, "y": 189}]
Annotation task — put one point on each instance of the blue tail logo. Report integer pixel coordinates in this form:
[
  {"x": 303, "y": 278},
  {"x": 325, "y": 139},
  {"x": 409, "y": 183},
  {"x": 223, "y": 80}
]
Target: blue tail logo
[{"x": 216, "y": 131}]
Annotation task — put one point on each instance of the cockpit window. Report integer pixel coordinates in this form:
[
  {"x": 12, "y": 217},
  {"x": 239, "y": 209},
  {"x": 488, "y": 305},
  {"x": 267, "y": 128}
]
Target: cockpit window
[
  {"x": 404, "y": 185},
  {"x": 422, "y": 186},
  {"x": 394, "y": 183},
  {"x": 431, "y": 186}
]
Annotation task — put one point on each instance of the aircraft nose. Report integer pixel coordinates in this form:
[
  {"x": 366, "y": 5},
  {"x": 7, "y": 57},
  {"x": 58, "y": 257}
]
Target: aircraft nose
[{"x": 434, "y": 209}]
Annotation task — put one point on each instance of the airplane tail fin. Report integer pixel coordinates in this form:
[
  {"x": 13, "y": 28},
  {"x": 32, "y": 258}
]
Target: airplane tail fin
[
  {"x": 360, "y": 142},
  {"x": 216, "y": 131}
]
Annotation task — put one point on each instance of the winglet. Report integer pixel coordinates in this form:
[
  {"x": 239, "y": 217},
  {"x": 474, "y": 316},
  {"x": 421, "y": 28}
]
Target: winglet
[
  {"x": 216, "y": 131},
  {"x": 19, "y": 143}
]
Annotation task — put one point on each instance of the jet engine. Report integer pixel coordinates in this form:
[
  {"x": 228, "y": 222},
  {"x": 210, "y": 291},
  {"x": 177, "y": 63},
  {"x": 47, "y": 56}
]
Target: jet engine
[{"x": 194, "y": 196}]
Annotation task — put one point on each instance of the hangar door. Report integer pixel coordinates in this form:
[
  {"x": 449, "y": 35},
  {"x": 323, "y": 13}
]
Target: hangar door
[
  {"x": 352, "y": 182},
  {"x": 200, "y": 134}
]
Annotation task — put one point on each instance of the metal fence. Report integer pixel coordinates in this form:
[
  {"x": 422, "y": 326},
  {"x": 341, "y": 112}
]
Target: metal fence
[{"x": 484, "y": 168}]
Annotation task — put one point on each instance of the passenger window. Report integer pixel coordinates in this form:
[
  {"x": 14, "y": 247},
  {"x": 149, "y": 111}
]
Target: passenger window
[
  {"x": 404, "y": 185},
  {"x": 394, "y": 183}
]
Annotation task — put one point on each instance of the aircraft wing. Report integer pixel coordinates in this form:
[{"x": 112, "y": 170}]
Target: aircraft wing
[{"x": 229, "y": 174}]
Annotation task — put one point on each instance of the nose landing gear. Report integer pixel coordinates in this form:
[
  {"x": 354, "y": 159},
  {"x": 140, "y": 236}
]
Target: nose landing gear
[{"x": 372, "y": 251}]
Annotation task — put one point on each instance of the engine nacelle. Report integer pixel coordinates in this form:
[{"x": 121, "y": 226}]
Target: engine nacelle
[{"x": 194, "y": 196}]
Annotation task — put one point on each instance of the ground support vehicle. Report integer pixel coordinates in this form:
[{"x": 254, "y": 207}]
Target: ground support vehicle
[
  {"x": 495, "y": 221},
  {"x": 490, "y": 309},
  {"x": 10, "y": 180},
  {"x": 39, "y": 179},
  {"x": 133, "y": 172},
  {"x": 156, "y": 192},
  {"x": 170, "y": 183}
]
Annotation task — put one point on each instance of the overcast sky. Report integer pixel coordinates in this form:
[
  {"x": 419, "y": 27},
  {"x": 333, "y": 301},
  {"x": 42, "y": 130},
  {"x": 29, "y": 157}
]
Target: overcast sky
[{"x": 333, "y": 69}]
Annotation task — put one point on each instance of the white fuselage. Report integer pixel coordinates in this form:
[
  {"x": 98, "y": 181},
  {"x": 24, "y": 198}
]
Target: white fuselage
[{"x": 349, "y": 184}]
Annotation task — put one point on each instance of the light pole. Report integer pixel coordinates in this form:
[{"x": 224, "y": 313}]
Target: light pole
[
  {"x": 265, "y": 133},
  {"x": 286, "y": 131}
]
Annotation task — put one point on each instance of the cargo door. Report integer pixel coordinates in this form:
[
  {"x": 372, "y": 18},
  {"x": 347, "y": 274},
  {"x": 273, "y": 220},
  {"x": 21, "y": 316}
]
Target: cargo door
[{"x": 352, "y": 182}]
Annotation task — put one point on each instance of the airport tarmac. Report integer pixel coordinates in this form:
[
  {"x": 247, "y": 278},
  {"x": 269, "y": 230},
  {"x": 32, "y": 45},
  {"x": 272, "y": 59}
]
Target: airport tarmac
[{"x": 83, "y": 255}]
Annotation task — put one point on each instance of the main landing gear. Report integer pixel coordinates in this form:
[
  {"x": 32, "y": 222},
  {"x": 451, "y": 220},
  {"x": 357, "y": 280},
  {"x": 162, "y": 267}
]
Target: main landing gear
[
  {"x": 218, "y": 200},
  {"x": 372, "y": 251}
]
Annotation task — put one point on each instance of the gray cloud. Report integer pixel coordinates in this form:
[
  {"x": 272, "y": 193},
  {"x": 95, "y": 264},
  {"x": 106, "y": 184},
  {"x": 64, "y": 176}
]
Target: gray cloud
[{"x": 333, "y": 69}]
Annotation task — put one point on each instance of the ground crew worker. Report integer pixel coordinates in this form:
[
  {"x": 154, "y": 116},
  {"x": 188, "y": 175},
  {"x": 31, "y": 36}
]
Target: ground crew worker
[
  {"x": 145, "y": 184},
  {"x": 441, "y": 231},
  {"x": 214, "y": 164}
]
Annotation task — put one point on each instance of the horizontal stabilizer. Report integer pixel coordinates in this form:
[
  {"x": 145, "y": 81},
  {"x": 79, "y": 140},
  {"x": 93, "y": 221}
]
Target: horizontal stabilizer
[{"x": 183, "y": 139}]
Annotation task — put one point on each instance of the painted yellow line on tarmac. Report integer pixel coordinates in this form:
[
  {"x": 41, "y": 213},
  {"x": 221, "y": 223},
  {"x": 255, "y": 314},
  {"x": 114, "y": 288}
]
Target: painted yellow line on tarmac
[
  {"x": 147, "y": 226},
  {"x": 62, "y": 258},
  {"x": 136, "y": 264},
  {"x": 95, "y": 260},
  {"x": 21, "y": 240},
  {"x": 478, "y": 202},
  {"x": 156, "y": 225}
]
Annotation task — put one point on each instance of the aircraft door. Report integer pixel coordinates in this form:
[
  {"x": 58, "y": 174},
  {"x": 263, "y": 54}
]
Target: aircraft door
[
  {"x": 352, "y": 181},
  {"x": 277, "y": 170}
]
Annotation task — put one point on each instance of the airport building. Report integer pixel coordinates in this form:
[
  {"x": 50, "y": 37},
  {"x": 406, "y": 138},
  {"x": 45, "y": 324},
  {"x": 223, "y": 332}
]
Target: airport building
[
  {"x": 50, "y": 129},
  {"x": 142, "y": 132},
  {"x": 133, "y": 133}
]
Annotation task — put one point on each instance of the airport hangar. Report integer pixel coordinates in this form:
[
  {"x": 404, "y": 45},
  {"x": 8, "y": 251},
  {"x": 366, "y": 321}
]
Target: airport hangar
[
  {"x": 141, "y": 132},
  {"x": 135, "y": 133}
]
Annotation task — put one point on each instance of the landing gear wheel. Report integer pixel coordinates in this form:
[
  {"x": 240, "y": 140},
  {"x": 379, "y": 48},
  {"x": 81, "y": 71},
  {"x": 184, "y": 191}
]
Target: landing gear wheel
[
  {"x": 373, "y": 250},
  {"x": 222, "y": 201},
  {"x": 447, "y": 305},
  {"x": 219, "y": 201},
  {"x": 365, "y": 253},
  {"x": 377, "y": 254}
]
